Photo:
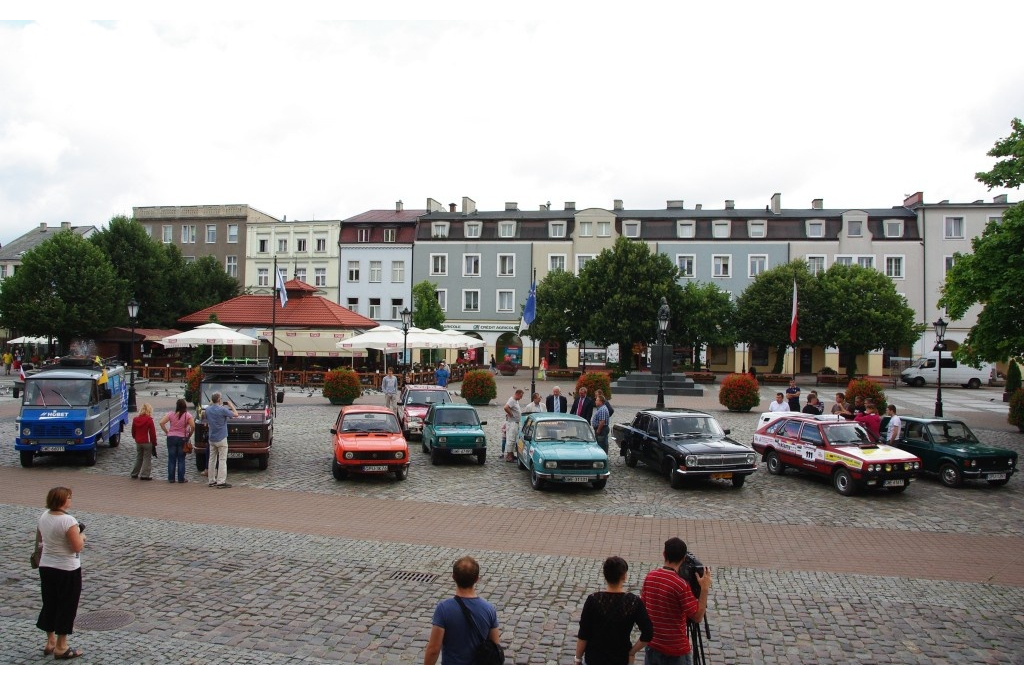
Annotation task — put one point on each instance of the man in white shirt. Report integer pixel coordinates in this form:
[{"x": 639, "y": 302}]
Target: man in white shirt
[
  {"x": 513, "y": 412},
  {"x": 780, "y": 403},
  {"x": 892, "y": 431}
]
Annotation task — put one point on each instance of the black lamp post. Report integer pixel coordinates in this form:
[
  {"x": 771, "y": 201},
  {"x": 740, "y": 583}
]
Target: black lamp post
[
  {"x": 133, "y": 312},
  {"x": 663, "y": 317},
  {"x": 940, "y": 334},
  {"x": 406, "y": 322}
]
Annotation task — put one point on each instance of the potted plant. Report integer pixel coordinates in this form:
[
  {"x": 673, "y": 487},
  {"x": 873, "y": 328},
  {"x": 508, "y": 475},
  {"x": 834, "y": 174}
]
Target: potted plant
[
  {"x": 595, "y": 380},
  {"x": 827, "y": 375},
  {"x": 478, "y": 387},
  {"x": 739, "y": 392},
  {"x": 192, "y": 378},
  {"x": 507, "y": 367},
  {"x": 341, "y": 386}
]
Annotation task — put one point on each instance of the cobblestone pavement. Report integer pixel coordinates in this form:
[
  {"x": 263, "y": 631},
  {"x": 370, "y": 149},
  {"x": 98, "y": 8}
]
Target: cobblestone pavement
[{"x": 254, "y": 593}]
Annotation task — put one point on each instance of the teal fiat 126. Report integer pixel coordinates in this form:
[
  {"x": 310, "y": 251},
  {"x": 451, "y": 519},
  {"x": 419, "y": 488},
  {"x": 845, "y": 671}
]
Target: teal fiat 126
[{"x": 561, "y": 448}]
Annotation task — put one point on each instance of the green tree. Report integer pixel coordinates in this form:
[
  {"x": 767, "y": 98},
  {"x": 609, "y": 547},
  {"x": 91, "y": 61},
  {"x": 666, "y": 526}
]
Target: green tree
[
  {"x": 993, "y": 274},
  {"x": 196, "y": 285},
  {"x": 557, "y": 298},
  {"x": 65, "y": 288},
  {"x": 426, "y": 310},
  {"x": 714, "y": 322},
  {"x": 764, "y": 310},
  {"x": 866, "y": 312},
  {"x": 142, "y": 267},
  {"x": 620, "y": 291}
]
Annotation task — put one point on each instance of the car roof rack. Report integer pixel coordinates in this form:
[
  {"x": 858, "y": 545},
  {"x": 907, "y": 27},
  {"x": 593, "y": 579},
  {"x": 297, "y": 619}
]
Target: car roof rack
[{"x": 239, "y": 365}]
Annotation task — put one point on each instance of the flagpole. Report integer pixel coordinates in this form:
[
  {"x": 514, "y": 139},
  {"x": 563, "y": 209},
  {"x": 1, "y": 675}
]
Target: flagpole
[
  {"x": 533, "y": 355},
  {"x": 273, "y": 321}
]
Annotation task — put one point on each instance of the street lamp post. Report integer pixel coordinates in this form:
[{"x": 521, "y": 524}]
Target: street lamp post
[
  {"x": 133, "y": 312},
  {"x": 940, "y": 334},
  {"x": 663, "y": 318},
  {"x": 406, "y": 322}
]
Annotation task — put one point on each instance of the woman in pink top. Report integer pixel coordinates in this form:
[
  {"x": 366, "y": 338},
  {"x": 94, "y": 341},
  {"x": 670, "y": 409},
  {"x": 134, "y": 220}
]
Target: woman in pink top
[{"x": 178, "y": 426}]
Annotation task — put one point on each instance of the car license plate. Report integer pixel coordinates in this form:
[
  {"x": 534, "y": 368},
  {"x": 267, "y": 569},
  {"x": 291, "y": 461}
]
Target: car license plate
[
  {"x": 576, "y": 479},
  {"x": 51, "y": 448},
  {"x": 381, "y": 467},
  {"x": 462, "y": 450},
  {"x": 995, "y": 476},
  {"x": 894, "y": 483},
  {"x": 721, "y": 475}
]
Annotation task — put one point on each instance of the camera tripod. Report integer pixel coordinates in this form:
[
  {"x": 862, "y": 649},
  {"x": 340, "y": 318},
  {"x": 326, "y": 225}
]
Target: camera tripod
[{"x": 697, "y": 640}]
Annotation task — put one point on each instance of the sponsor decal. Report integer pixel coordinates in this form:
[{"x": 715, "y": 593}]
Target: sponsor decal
[{"x": 852, "y": 462}]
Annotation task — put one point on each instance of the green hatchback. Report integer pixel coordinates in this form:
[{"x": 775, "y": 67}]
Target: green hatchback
[
  {"x": 453, "y": 429},
  {"x": 948, "y": 449}
]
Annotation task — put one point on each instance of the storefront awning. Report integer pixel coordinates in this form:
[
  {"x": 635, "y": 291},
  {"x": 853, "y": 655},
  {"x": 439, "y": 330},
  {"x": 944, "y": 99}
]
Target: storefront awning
[{"x": 311, "y": 343}]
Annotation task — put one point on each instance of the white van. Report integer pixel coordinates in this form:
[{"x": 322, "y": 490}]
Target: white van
[{"x": 924, "y": 370}]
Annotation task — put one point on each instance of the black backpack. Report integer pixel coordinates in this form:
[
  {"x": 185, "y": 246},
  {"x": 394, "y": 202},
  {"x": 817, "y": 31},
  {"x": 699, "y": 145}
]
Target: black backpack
[{"x": 487, "y": 653}]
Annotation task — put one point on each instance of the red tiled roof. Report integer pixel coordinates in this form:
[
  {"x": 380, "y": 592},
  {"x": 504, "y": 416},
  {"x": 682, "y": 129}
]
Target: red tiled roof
[
  {"x": 304, "y": 310},
  {"x": 386, "y": 216}
]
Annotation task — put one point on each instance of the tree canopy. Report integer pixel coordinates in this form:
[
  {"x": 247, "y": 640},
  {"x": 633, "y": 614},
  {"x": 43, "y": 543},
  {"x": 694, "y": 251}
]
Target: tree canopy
[
  {"x": 141, "y": 266},
  {"x": 1009, "y": 171},
  {"x": 706, "y": 315},
  {"x": 426, "y": 310},
  {"x": 764, "y": 310}
]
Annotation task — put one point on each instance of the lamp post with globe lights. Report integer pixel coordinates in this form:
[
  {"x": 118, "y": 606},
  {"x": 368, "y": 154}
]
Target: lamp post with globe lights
[
  {"x": 940, "y": 334},
  {"x": 133, "y": 313}
]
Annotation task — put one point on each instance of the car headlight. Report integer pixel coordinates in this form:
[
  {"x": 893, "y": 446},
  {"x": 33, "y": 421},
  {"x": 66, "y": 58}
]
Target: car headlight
[
  {"x": 442, "y": 441},
  {"x": 598, "y": 465},
  {"x": 480, "y": 441},
  {"x": 551, "y": 464},
  {"x": 399, "y": 455},
  {"x": 28, "y": 431},
  {"x": 349, "y": 455},
  {"x": 888, "y": 468},
  {"x": 750, "y": 459},
  {"x": 256, "y": 435},
  {"x": 78, "y": 432},
  {"x": 691, "y": 461}
]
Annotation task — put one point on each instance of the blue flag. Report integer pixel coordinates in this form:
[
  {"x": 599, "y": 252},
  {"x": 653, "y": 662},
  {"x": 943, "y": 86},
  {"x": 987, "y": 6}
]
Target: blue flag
[{"x": 530, "y": 310}]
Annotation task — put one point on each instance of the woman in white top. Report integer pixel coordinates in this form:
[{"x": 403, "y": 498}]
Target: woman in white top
[{"x": 60, "y": 572}]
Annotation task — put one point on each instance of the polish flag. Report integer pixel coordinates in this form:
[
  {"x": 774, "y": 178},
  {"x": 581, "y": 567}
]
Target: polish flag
[
  {"x": 792, "y": 324},
  {"x": 21, "y": 373}
]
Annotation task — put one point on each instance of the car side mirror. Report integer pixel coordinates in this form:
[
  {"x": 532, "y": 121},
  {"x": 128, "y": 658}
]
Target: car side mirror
[
  {"x": 334, "y": 431},
  {"x": 727, "y": 431},
  {"x": 483, "y": 423}
]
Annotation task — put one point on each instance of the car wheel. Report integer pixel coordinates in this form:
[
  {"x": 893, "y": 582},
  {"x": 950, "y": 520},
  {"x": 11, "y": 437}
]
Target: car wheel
[
  {"x": 481, "y": 459},
  {"x": 402, "y": 473},
  {"x": 599, "y": 484},
  {"x": 435, "y": 456},
  {"x": 115, "y": 439},
  {"x": 535, "y": 481},
  {"x": 974, "y": 384},
  {"x": 425, "y": 446},
  {"x": 263, "y": 462},
  {"x": 999, "y": 483},
  {"x": 738, "y": 480},
  {"x": 950, "y": 476},
  {"x": 918, "y": 382},
  {"x": 675, "y": 479},
  {"x": 628, "y": 457},
  {"x": 26, "y": 459},
  {"x": 90, "y": 457},
  {"x": 844, "y": 483},
  {"x": 339, "y": 473},
  {"x": 775, "y": 465}
]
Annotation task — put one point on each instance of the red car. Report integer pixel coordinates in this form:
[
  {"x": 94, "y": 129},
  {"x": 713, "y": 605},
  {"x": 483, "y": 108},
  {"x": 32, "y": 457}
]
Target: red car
[
  {"x": 368, "y": 439},
  {"x": 414, "y": 403}
]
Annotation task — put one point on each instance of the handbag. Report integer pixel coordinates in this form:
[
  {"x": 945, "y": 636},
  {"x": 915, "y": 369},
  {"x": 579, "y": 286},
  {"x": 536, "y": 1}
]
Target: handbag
[
  {"x": 36, "y": 555},
  {"x": 188, "y": 447},
  {"x": 487, "y": 653}
]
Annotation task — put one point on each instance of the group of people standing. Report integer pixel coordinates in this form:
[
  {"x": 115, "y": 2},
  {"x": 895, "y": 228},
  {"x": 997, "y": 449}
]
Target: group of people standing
[
  {"x": 12, "y": 360},
  {"x": 598, "y": 411},
  {"x": 861, "y": 410}
]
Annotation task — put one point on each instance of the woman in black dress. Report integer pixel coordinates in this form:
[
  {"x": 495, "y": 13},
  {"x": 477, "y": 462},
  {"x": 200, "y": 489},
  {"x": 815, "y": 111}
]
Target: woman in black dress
[{"x": 607, "y": 621}]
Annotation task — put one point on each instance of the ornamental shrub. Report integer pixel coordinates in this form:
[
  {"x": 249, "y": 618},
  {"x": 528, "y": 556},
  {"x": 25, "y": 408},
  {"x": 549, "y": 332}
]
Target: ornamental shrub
[
  {"x": 508, "y": 367},
  {"x": 739, "y": 392},
  {"x": 1016, "y": 416},
  {"x": 1013, "y": 378},
  {"x": 478, "y": 386},
  {"x": 595, "y": 380},
  {"x": 868, "y": 390},
  {"x": 342, "y": 384},
  {"x": 192, "y": 378}
]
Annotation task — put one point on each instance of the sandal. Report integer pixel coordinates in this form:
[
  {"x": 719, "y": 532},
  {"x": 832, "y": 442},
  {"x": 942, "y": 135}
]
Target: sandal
[
  {"x": 47, "y": 651},
  {"x": 70, "y": 654}
]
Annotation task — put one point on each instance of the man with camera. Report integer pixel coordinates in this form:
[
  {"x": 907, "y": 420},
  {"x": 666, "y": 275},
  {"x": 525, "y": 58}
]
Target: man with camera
[{"x": 671, "y": 603}]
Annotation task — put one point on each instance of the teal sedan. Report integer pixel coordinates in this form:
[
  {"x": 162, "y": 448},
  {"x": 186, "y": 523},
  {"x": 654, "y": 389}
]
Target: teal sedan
[
  {"x": 560, "y": 448},
  {"x": 950, "y": 450},
  {"x": 453, "y": 429}
]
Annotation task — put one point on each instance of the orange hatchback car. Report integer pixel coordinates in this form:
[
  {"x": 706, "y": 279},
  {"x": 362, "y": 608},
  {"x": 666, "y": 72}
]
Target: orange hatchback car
[{"x": 368, "y": 439}]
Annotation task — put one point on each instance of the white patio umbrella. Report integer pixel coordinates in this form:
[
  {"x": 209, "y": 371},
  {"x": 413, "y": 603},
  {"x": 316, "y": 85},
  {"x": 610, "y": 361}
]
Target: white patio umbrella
[
  {"x": 460, "y": 341},
  {"x": 208, "y": 334},
  {"x": 387, "y": 338},
  {"x": 29, "y": 340}
]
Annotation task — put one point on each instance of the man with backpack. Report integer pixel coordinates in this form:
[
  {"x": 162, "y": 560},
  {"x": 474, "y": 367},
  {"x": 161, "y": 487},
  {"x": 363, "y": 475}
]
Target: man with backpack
[{"x": 461, "y": 624}]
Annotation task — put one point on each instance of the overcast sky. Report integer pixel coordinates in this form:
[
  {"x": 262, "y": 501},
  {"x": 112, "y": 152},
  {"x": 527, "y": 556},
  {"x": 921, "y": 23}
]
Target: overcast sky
[{"x": 856, "y": 103}]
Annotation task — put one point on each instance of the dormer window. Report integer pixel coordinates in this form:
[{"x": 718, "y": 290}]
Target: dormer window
[
  {"x": 815, "y": 229},
  {"x": 507, "y": 229},
  {"x": 473, "y": 229},
  {"x": 439, "y": 229},
  {"x": 757, "y": 229},
  {"x": 686, "y": 229},
  {"x": 721, "y": 230},
  {"x": 556, "y": 229},
  {"x": 631, "y": 229},
  {"x": 893, "y": 229}
]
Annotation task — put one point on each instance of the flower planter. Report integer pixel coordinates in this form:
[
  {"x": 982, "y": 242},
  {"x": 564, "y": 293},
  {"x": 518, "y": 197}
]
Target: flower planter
[
  {"x": 702, "y": 377},
  {"x": 507, "y": 373},
  {"x": 478, "y": 403},
  {"x": 340, "y": 400}
]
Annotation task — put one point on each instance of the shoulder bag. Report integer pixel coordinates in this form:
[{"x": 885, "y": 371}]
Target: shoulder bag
[
  {"x": 487, "y": 653},
  {"x": 37, "y": 554}
]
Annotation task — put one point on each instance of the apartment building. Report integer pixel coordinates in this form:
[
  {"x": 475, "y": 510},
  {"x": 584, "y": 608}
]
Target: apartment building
[{"x": 306, "y": 251}]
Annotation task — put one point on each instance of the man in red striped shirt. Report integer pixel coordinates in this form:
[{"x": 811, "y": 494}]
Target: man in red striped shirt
[{"x": 670, "y": 604}]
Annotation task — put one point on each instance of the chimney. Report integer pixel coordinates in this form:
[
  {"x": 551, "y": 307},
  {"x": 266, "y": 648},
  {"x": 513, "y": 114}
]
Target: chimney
[
  {"x": 730, "y": 204},
  {"x": 434, "y": 206},
  {"x": 676, "y": 204},
  {"x": 818, "y": 204},
  {"x": 511, "y": 206},
  {"x": 699, "y": 207},
  {"x": 914, "y": 199},
  {"x": 570, "y": 206},
  {"x": 42, "y": 225},
  {"x": 777, "y": 203},
  {"x": 398, "y": 206},
  {"x": 618, "y": 206},
  {"x": 451, "y": 207},
  {"x": 1000, "y": 199},
  {"x": 468, "y": 206}
]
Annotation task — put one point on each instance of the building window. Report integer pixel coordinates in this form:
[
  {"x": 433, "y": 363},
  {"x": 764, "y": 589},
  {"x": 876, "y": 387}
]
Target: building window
[
  {"x": 438, "y": 265},
  {"x": 507, "y": 229},
  {"x": 556, "y": 262},
  {"x": 815, "y": 264},
  {"x": 894, "y": 267},
  {"x": 300, "y": 273},
  {"x": 363, "y": 235},
  {"x": 398, "y": 272},
  {"x": 376, "y": 271},
  {"x": 586, "y": 229},
  {"x": 211, "y": 234},
  {"x": 262, "y": 245},
  {"x": 396, "y": 309},
  {"x": 581, "y": 261},
  {"x": 854, "y": 228},
  {"x": 631, "y": 229},
  {"x": 844, "y": 260},
  {"x": 470, "y": 300},
  {"x": 321, "y": 244},
  {"x": 283, "y": 271},
  {"x": 757, "y": 229},
  {"x": 231, "y": 266},
  {"x": 686, "y": 229},
  {"x": 949, "y": 262},
  {"x": 721, "y": 229},
  {"x": 506, "y": 300},
  {"x": 353, "y": 272},
  {"x": 473, "y": 229},
  {"x": 471, "y": 265},
  {"x": 188, "y": 235},
  {"x": 353, "y": 304},
  {"x": 300, "y": 245},
  {"x": 148, "y": 230},
  {"x": 232, "y": 233},
  {"x": 374, "y": 312},
  {"x": 556, "y": 229},
  {"x": 190, "y": 259},
  {"x": 893, "y": 229},
  {"x": 282, "y": 245},
  {"x": 442, "y": 299},
  {"x": 389, "y": 235},
  {"x": 756, "y": 263},
  {"x": 320, "y": 276},
  {"x": 954, "y": 228},
  {"x": 867, "y": 261},
  {"x": 994, "y": 219},
  {"x": 722, "y": 266},
  {"x": 262, "y": 277},
  {"x": 439, "y": 229},
  {"x": 604, "y": 229},
  {"x": 815, "y": 229},
  {"x": 685, "y": 262},
  {"x": 506, "y": 265},
  {"x": 168, "y": 234}
]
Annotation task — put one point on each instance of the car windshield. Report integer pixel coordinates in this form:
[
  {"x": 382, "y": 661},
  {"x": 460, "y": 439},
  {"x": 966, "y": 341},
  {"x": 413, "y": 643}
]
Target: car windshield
[
  {"x": 847, "y": 434},
  {"x": 426, "y": 397},
  {"x": 456, "y": 417},
  {"x": 560, "y": 431},
  {"x": 245, "y": 396},
  {"x": 370, "y": 422},
  {"x": 951, "y": 432},
  {"x": 52, "y": 392},
  {"x": 691, "y": 426}
]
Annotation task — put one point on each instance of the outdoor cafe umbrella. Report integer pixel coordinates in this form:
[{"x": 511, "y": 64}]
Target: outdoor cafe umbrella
[{"x": 208, "y": 334}]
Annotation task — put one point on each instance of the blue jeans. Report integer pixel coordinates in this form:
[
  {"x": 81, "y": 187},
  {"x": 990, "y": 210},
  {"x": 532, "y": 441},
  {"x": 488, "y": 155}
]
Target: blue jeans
[
  {"x": 175, "y": 458},
  {"x": 653, "y": 657}
]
